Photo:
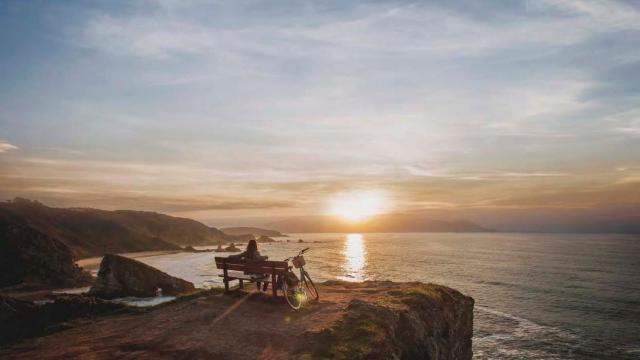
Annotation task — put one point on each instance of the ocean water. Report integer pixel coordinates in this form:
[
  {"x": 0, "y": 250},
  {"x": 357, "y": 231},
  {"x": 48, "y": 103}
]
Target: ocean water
[{"x": 538, "y": 296}]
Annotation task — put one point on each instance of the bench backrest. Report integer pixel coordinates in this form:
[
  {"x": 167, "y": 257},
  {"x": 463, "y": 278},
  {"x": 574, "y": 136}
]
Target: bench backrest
[{"x": 258, "y": 267}]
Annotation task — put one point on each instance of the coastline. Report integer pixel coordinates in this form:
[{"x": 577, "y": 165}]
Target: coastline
[
  {"x": 93, "y": 263},
  {"x": 371, "y": 319}
]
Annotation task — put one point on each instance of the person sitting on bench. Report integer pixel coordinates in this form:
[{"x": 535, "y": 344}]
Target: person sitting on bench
[{"x": 252, "y": 254}]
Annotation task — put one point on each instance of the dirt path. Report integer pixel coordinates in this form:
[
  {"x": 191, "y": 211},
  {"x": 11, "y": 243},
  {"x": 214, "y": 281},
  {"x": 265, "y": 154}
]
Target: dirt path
[{"x": 238, "y": 326}]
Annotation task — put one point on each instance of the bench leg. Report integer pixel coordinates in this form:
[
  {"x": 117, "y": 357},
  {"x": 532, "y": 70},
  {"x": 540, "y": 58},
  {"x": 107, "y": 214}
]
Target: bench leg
[
  {"x": 273, "y": 285},
  {"x": 225, "y": 278},
  {"x": 241, "y": 284}
]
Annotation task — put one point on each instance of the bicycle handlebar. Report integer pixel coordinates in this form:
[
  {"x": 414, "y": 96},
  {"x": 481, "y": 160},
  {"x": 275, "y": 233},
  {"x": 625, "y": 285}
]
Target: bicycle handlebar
[{"x": 300, "y": 253}]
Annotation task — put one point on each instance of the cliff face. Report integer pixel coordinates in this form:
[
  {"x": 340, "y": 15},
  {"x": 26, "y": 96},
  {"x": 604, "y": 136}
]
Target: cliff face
[
  {"x": 28, "y": 256},
  {"x": 370, "y": 320},
  {"x": 93, "y": 232},
  {"x": 415, "y": 321}
]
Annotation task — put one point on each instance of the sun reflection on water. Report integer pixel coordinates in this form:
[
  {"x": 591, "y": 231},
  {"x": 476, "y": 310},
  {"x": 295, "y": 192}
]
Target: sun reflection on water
[{"x": 354, "y": 255}]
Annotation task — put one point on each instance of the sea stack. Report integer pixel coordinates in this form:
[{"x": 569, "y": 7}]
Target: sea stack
[{"x": 121, "y": 277}]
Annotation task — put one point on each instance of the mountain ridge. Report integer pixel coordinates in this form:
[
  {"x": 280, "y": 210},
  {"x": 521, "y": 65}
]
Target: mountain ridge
[
  {"x": 94, "y": 232},
  {"x": 251, "y": 230},
  {"x": 387, "y": 223}
]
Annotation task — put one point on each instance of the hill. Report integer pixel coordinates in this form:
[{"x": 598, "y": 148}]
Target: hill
[
  {"x": 28, "y": 256},
  {"x": 257, "y": 232},
  {"x": 376, "y": 224},
  {"x": 93, "y": 232}
]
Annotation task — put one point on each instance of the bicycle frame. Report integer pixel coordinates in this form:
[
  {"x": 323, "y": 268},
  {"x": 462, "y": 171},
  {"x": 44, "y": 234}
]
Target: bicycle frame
[
  {"x": 301, "y": 268},
  {"x": 305, "y": 284}
]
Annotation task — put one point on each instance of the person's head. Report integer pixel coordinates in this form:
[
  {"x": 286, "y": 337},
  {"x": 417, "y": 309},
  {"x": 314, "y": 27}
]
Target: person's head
[{"x": 252, "y": 247}]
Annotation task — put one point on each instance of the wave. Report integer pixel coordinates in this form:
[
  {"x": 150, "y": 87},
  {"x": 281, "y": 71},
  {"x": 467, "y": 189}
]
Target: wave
[{"x": 524, "y": 339}]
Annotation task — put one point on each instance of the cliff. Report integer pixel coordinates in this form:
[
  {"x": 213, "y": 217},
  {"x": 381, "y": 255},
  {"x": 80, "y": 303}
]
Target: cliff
[
  {"x": 93, "y": 232},
  {"x": 370, "y": 320},
  {"x": 30, "y": 257},
  {"x": 21, "y": 319}
]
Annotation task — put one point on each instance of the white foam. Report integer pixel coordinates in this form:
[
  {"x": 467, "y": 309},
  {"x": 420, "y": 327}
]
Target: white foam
[
  {"x": 525, "y": 329},
  {"x": 151, "y": 301},
  {"x": 79, "y": 290}
]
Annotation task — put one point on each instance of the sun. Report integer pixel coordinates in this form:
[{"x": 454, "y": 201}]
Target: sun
[{"x": 356, "y": 206}]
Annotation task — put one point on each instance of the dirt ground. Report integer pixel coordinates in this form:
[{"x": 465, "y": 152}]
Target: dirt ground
[{"x": 242, "y": 325}]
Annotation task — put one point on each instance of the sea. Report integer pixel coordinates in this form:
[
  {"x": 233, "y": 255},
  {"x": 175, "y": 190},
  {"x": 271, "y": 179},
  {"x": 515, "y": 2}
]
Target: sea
[{"x": 537, "y": 296}]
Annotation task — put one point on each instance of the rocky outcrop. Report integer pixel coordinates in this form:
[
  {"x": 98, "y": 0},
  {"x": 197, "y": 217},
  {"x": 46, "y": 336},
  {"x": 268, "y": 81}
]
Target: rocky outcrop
[
  {"x": 120, "y": 277},
  {"x": 28, "y": 256},
  {"x": 232, "y": 248},
  {"x": 20, "y": 319},
  {"x": 243, "y": 230},
  {"x": 419, "y": 321},
  {"x": 265, "y": 239},
  {"x": 370, "y": 320},
  {"x": 194, "y": 250}
]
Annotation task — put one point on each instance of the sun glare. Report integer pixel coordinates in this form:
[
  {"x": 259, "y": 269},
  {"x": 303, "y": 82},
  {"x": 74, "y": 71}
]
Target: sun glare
[{"x": 356, "y": 206}]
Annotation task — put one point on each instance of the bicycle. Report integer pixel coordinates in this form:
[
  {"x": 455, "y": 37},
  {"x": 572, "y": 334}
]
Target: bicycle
[{"x": 305, "y": 289}]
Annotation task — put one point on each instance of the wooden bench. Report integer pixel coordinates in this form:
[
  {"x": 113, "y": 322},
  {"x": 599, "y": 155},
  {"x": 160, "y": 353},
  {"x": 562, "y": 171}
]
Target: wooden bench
[{"x": 235, "y": 269}]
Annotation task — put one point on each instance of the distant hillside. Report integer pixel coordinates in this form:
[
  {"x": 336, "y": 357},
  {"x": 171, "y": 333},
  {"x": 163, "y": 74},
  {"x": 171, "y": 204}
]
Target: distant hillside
[
  {"x": 257, "y": 232},
  {"x": 381, "y": 223},
  {"x": 93, "y": 232}
]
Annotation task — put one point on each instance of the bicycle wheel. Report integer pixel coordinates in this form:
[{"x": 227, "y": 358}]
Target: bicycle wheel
[
  {"x": 292, "y": 295},
  {"x": 310, "y": 287}
]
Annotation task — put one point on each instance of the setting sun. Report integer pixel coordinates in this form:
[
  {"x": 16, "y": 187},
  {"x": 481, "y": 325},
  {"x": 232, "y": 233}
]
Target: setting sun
[{"x": 356, "y": 206}]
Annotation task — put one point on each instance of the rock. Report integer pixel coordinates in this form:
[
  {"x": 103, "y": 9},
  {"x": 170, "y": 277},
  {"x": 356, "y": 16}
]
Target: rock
[
  {"x": 300, "y": 241},
  {"x": 253, "y": 231},
  {"x": 20, "y": 319},
  {"x": 265, "y": 239},
  {"x": 120, "y": 277},
  {"x": 232, "y": 248},
  {"x": 419, "y": 321},
  {"x": 194, "y": 250},
  {"x": 29, "y": 256},
  {"x": 10, "y": 308}
]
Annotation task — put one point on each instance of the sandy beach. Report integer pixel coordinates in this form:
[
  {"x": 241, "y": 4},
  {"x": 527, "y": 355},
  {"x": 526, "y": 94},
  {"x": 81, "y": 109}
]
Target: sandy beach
[{"x": 92, "y": 264}]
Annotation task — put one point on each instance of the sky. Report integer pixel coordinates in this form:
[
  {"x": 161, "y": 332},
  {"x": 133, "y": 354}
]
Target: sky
[{"x": 216, "y": 109}]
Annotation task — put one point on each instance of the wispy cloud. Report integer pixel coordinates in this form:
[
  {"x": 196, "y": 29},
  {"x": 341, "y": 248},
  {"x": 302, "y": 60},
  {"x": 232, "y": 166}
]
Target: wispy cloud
[
  {"x": 5, "y": 147},
  {"x": 227, "y": 107}
]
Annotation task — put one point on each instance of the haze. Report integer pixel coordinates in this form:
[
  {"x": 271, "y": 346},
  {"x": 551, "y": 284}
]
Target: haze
[{"x": 241, "y": 110}]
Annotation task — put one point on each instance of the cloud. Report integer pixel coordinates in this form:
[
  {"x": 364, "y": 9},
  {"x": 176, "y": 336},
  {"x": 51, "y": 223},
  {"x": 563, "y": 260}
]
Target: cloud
[
  {"x": 148, "y": 37},
  {"x": 6, "y": 147},
  {"x": 398, "y": 29},
  {"x": 247, "y": 105}
]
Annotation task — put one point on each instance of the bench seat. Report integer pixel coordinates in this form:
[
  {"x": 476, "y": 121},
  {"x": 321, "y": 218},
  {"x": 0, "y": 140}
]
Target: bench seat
[{"x": 241, "y": 270}]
